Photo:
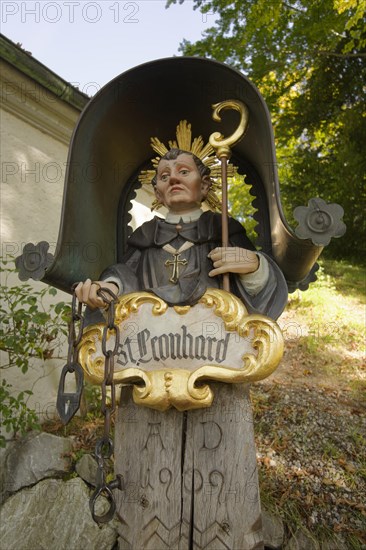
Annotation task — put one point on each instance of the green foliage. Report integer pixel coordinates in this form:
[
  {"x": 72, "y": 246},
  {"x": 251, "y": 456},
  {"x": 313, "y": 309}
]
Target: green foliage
[
  {"x": 93, "y": 399},
  {"x": 15, "y": 415},
  {"x": 29, "y": 329},
  {"x": 307, "y": 58},
  {"x": 240, "y": 205},
  {"x": 349, "y": 280}
]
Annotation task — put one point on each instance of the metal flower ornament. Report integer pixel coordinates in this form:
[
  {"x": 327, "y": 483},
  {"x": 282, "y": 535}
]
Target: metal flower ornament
[
  {"x": 319, "y": 221},
  {"x": 34, "y": 261}
]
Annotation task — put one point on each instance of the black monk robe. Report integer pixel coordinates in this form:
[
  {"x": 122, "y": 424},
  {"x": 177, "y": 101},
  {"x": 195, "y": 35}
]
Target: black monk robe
[{"x": 149, "y": 267}]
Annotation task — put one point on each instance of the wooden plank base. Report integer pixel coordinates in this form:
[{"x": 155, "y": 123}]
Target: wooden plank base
[{"x": 190, "y": 478}]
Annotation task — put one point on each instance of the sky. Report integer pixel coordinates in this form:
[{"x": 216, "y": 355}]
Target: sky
[{"x": 89, "y": 43}]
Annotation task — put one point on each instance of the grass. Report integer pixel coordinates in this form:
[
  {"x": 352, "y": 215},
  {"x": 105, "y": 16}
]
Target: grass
[
  {"x": 323, "y": 374},
  {"x": 348, "y": 280},
  {"x": 327, "y": 325}
]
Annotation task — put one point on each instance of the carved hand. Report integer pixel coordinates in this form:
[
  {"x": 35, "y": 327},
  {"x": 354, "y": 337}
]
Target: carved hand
[
  {"x": 233, "y": 259},
  {"x": 86, "y": 292}
]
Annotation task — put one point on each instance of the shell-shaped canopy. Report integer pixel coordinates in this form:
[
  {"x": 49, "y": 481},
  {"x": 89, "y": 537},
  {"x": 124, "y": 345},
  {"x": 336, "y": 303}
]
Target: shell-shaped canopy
[{"x": 111, "y": 144}]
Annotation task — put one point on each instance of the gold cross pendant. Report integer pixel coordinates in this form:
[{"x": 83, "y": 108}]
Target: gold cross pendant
[{"x": 176, "y": 262}]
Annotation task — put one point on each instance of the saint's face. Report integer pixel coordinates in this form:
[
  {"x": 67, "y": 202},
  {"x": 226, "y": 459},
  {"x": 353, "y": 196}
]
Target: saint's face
[{"x": 179, "y": 185}]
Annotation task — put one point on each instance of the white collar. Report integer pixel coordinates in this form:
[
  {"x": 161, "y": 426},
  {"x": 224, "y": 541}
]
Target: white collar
[{"x": 188, "y": 217}]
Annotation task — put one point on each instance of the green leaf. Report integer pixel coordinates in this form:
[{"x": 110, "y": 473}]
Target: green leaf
[
  {"x": 41, "y": 318},
  {"x": 59, "y": 307}
]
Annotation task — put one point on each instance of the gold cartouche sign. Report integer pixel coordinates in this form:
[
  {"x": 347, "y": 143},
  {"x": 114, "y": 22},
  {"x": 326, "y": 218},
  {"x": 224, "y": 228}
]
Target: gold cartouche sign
[{"x": 171, "y": 354}]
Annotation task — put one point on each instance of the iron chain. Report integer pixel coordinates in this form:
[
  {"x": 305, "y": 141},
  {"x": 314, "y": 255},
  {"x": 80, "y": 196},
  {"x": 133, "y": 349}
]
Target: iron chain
[
  {"x": 104, "y": 447},
  {"x": 68, "y": 403}
]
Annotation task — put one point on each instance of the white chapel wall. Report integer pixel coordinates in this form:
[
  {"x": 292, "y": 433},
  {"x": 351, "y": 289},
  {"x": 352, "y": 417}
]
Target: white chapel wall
[{"x": 36, "y": 128}]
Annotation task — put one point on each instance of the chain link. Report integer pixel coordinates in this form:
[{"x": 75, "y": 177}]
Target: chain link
[
  {"x": 68, "y": 403},
  {"x": 104, "y": 447}
]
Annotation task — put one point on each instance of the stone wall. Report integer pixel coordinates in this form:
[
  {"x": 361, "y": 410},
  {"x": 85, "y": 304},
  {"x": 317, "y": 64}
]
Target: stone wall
[
  {"x": 45, "y": 495},
  {"x": 45, "y": 503}
]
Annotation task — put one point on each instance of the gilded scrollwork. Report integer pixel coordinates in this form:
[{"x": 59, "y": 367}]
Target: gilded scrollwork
[
  {"x": 130, "y": 303},
  {"x": 226, "y": 305},
  {"x": 185, "y": 387}
]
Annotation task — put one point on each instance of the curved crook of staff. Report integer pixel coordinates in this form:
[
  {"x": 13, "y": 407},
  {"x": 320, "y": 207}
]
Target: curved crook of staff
[{"x": 222, "y": 148}]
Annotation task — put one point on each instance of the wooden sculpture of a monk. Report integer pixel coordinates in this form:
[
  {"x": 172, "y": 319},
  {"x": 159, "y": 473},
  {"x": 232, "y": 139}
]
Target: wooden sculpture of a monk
[
  {"x": 190, "y": 476},
  {"x": 180, "y": 257}
]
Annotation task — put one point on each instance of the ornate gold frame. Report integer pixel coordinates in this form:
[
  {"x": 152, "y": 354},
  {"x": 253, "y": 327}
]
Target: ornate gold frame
[{"x": 183, "y": 389}]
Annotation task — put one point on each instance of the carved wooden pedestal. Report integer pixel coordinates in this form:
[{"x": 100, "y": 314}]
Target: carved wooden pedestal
[{"x": 190, "y": 477}]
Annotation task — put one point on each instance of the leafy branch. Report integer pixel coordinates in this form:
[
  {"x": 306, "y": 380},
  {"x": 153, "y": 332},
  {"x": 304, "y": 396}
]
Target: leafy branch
[
  {"x": 306, "y": 58},
  {"x": 31, "y": 328}
]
